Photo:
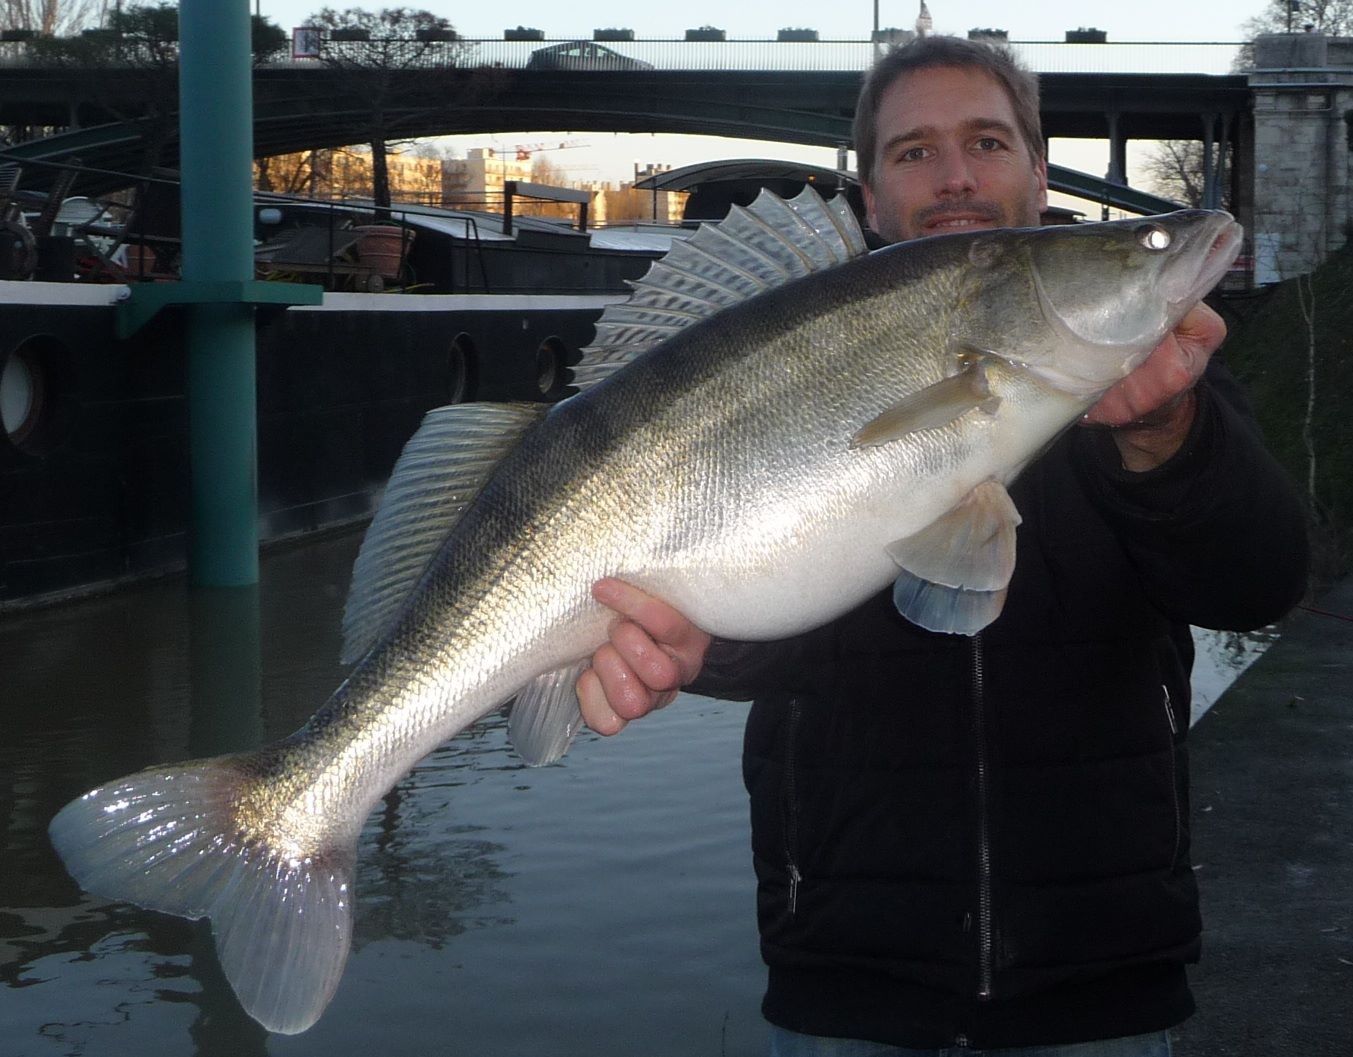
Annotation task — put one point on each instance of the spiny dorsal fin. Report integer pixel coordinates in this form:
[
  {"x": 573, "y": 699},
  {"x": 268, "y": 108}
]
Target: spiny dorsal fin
[
  {"x": 753, "y": 249},
  {"x": 440, "y": 470}
]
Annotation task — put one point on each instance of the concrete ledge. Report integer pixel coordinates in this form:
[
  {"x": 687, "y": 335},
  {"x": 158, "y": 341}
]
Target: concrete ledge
[{"x": 1273, "y": 849}]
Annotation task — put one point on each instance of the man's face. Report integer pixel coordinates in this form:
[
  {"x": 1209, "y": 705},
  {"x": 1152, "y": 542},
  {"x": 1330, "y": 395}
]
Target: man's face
[{"x": 951, "y": 158}]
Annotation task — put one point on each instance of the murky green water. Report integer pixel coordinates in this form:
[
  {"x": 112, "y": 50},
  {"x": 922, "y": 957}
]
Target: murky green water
[{"x": 603, "y": 905}]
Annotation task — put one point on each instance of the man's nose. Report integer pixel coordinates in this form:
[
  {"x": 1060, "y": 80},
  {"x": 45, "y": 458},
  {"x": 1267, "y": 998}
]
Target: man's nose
[{"x": 956, "y": 174}]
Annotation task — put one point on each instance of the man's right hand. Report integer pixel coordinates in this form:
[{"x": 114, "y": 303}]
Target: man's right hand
[{"x": 652, "y": 652}]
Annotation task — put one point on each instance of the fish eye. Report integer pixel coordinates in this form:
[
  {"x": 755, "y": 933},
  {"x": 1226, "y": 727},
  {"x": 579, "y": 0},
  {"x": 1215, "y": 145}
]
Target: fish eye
[{"x": 1153, "y": 237}]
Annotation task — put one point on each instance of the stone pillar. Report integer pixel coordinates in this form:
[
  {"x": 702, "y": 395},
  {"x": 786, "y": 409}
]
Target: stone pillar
[
  {"x": 1117, "y": 151},
  {"x": 1210, "y": 163},
  {"x": 1302, "y": 86}
]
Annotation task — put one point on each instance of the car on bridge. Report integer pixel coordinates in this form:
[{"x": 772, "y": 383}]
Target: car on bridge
[{"x": 582, "y": 55}]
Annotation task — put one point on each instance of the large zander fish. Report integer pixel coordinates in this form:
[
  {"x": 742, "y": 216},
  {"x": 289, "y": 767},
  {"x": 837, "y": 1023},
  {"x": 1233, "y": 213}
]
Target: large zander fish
[{"x": 804, "y": 423}]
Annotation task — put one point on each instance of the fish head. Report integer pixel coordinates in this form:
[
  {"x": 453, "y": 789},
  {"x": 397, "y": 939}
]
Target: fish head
[{"x": 1081, "y": 306}]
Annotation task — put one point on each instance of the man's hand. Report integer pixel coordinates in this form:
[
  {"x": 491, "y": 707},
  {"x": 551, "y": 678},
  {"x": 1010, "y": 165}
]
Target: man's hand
[
  {"x": 1151, "y": 410},
  {"x": 652, "y": 652}
]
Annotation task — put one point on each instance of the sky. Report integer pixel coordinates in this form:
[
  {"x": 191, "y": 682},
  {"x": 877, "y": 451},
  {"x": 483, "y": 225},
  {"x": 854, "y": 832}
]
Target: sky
[
  {"x": 852, "y": 20},
  {"x": 612, "y": 156}
]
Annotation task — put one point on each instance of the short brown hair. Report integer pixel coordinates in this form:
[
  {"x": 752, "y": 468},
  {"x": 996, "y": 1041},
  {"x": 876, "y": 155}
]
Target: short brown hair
[{"x": 1020, "y": 85}]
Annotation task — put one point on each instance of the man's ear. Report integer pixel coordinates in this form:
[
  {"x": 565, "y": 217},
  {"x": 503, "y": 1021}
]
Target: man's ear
[
  {"x": 870, "y": 218},
  {"x": 1041, "y": 172}
]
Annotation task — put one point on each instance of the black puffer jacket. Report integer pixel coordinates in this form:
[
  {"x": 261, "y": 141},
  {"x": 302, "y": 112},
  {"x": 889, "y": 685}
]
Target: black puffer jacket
[{"x": 986, "y": 842}]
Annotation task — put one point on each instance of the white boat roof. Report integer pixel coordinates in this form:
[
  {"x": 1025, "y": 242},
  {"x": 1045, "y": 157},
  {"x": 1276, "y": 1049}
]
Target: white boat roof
[{"x": 645, "y": 240}]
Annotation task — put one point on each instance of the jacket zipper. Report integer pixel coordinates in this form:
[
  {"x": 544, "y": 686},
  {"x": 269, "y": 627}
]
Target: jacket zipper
[
  {"x": 1174, "y": 779},
  {"x": 791, "y": 807},
  {"x": 985, "y": 924}
]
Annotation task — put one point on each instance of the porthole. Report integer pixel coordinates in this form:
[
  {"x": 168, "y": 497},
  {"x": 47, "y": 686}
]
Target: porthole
[
  {"x": 35, "y": 388},
  {"x": 22, "y": 396},
  {"x": 462, "y": 370},
  {"x": 552, "y": 373}
]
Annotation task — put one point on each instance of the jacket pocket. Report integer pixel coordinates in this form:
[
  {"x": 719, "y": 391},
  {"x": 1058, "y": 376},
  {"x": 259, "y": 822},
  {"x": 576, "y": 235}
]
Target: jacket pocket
[
  {"x": 789, "y": 801},
  {"x": 1172, "y": 722}
]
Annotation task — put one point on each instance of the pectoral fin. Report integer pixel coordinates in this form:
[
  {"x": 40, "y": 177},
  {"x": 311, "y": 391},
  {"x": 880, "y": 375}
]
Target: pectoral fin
[
  {"x": 956, "y": 570},
  {"x": 932, "y": 407}
]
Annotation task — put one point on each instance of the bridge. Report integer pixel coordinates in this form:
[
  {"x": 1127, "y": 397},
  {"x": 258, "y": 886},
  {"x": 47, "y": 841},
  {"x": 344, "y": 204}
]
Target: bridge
[
  {"x": 791, "y": 92},
  {"x": 1277, "y": 132}
]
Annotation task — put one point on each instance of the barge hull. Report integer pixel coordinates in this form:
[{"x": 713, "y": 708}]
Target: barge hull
[{"x": 94, "y": 473}]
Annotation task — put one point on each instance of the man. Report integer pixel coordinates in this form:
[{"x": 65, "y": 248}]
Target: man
[{"x": 984, "y": 842}]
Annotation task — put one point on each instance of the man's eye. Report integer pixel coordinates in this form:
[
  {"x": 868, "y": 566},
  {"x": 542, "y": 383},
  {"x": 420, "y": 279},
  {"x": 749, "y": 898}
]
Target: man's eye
[
  {"x": 912, "y": 154},
  {"x": 989, "y": 143}
]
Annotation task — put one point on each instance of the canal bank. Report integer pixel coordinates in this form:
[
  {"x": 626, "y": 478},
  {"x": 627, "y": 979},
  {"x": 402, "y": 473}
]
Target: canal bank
[{"x": 1272, "y": 785}]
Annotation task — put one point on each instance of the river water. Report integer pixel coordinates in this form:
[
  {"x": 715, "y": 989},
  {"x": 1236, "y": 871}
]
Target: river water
[{"x": 602, "y": 905}]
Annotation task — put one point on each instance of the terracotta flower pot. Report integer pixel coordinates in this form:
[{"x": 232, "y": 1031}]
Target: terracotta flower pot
[{"x": 382, "y": 247}]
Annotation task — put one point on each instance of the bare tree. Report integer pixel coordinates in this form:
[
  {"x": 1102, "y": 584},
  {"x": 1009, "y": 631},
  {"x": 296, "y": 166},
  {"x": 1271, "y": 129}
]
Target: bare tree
[
  {"x": 297, "y": 173},
  {"x": 630, "y": 203},
  {"x": 139, "y": 53},
  {"x": 545, "y": 171},
  {"x": 1312, "y": 250},
  {"x": 1175, "y": 169},
  {"x": 375, "y": 47},
  {"x": 129, "y": 70},
  {"x": 1333, "y": 17},
  {"x": 1305, "y": 253},
  {"x": 1298, "y": 257},
  {"x": 1306, "y": 301},
  {"x": 54, "y": 18}
]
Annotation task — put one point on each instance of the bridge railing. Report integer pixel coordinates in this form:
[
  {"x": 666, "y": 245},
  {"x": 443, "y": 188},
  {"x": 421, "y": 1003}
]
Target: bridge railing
[{"x": 1151, "y": 57}]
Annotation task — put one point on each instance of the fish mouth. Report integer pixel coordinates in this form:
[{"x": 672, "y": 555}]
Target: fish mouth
[
  {"x": 1202, "y": 245},
  {"x": 1217, "y": 246}
]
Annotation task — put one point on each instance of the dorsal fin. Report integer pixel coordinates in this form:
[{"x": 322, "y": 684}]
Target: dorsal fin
[
  {"x": 753, "y": 249},
  {"x": 441, "y": 468}
]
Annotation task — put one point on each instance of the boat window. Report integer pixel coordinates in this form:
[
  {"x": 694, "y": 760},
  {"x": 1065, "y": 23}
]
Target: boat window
[
  {"x": 34, "y": 375},
  {"x": 462, "y": 370},
  {"x": 21, "y": 396},
  {"x": 552, "y": 373}
]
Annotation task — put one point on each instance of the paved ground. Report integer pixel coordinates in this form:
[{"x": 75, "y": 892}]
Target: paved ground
[{"x": 1273, "y": 845}]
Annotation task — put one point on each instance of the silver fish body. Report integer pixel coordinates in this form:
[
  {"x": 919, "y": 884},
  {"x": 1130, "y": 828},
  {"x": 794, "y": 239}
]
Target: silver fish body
[{"x": 763, "y": 469}]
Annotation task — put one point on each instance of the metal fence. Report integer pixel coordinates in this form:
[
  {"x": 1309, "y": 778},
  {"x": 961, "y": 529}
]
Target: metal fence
[{"x": 1151, "y": 57}]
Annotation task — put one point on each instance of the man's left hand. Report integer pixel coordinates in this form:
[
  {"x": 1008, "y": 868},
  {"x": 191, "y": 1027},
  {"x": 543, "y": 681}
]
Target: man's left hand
[{"x": 1151, "y": 410}]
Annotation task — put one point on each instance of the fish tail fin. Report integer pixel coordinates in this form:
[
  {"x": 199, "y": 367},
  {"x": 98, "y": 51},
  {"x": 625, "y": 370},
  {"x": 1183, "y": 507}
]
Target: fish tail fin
[{"x": 169, "y": 839}]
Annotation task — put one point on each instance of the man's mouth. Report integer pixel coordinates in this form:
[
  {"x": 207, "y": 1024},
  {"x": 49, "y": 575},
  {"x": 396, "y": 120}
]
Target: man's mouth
[
  {"x": 958, "y": 223},
  {"x": 937, "y": 219}
]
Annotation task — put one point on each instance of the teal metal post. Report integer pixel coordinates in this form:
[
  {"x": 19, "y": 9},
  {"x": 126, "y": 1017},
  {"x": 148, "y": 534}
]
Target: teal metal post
[{"x": 216, "y": 136}]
